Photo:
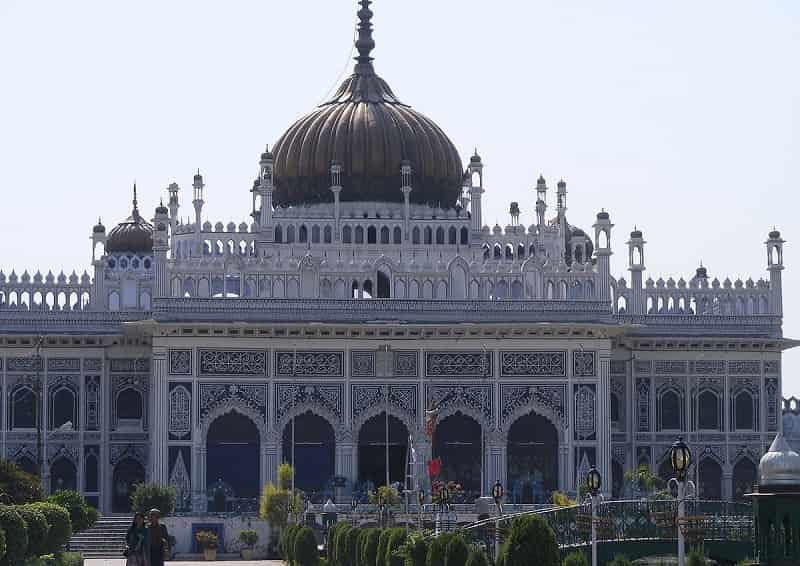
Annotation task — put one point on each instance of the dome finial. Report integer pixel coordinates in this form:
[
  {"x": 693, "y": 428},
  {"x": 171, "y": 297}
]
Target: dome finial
[
  {"x": 135, "y": 202},
  {"x": 365, "y": 44}
]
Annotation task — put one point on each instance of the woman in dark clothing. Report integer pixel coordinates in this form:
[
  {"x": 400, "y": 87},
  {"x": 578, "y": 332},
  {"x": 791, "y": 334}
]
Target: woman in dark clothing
[
  {"x": 135, "y": 541},
  {"x": 157, "y": 540}
]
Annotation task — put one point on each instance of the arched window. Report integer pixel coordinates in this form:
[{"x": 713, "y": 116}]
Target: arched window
[
  {"x": 464, "y": 236},
  {"x": 452, "y": 236},
  {"x": 23, "y": 408},
  {"x": 130, "y": 408},
  {"x": 347, "y": 235},
  {"x": 708, "y": 411},
  {"x": 616, "y": 415},
  {"x": 372, "y": 235},
  {"x": 743, "y": 411},
  {"x": 113, "y": 301},
  {"x": 385, "y": 235},
  {"x": 398, "y": 235},
  {"x": 509, "y": 252},
  {"x": 521, "y": 251},
  {"x": 359, "y": 235},
  {"x": 428, "y": 236},
  {"x": 498, "y": 252},
  {"x": 415, "y": 235},
  {"x": 290, "y": 234},
  {"x": 302, "y": 234},
  {"x": 91, "y": 474},
  {"x": 315, "y": 235},
  {"x": 63, "y": 407},
  {"x": 671, "y": 412},
  {"x": 328, "y": 234},
  {"x": 440, "y": 235}
]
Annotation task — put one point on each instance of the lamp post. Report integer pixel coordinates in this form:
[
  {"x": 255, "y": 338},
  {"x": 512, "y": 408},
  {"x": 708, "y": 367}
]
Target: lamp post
[
  {"x": 681, "y": 458},
  {"x": 593, "y": 481},
  {"x": 421, "y": 505},
  {"x": 497, "y": 495},
  {"x": 381, "y": 508}
]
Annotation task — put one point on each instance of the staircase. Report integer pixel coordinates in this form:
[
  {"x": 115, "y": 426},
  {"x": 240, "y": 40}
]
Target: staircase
[{"x": 106, "y": 539}]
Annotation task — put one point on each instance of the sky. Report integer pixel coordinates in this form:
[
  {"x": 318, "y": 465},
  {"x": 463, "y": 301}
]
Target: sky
[{"x": 681, "y": 118}]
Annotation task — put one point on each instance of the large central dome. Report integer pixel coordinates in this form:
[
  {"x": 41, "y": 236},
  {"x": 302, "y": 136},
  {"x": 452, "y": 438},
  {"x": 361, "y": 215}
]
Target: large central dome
[{"x": 370, "y": 132}]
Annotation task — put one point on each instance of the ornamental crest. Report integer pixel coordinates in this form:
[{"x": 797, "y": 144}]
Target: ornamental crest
[
  {"x": 405, "y": 363},
  {"x": 362, "y": 364},
  {"x": 583, "y": 364},
  {"x": 534, "y": 364}
]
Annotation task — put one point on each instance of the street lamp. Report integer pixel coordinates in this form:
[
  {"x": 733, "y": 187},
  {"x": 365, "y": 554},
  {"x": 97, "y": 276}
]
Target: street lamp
[
  {"x": 497, "y": 494},
  {"x": 680, "y": 457},
  {"x": 594, "y": 481}
]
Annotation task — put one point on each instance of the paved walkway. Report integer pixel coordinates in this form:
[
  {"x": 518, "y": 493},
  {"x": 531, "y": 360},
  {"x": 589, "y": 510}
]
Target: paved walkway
[{"x": 121, "y": 562}]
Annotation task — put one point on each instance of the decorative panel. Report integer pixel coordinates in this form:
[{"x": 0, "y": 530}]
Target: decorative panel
[
  {"x": 92, "y": 364},
  {"x": 642, "y": 404},
  {"x": 584, "y": 364},
  {"x": 180, "y": 476},
  {"x": 458, "y": 364},
  {"x": 585, "y": 412},
  {"x": 63, "y": 364},
  {"x": 92, "y": 405},
  {"x": 130, "y": 364},
  {"x": 55, "y": 383},
  {"x": 328, "y": 397},
  {"x": 708, "y": 367},
  {"x": 366, "y": 398},
  {"x": 521, "y": 397},
  {"x": 772, "y": 367},
  {"x": 744, "y": 367},
  {"x": 136, "y": 382},
  {"x": 642, "y": 366},
  {"x": 252, "y": 396},
  {"x": 669, "y": 367},
  {"x": 247, "y": 363},
  {"x": 309, "y": 364},
  {"x": 773, "y": 403},
  {"x": 180, "y": 411},
  {"x": 25, "y": 364},
  {"x": 362, "y": 364},
  {"x": 619, "y": 367},
  {"x": 533, "y": 364},
  {"x": 136, "y": 452},
  {"x": 405, "y": 363},
  {"x": 477, "y": 399},
  {"x": 180, "y": 362}
]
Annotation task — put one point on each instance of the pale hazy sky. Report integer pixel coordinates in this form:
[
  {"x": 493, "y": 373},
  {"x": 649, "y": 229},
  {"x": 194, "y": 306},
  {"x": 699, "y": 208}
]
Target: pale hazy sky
[{"x": 680, "y": 117}]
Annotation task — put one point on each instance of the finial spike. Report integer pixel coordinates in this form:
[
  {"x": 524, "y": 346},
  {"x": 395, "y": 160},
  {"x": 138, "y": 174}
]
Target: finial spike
[{"x": 365, "y": 43}]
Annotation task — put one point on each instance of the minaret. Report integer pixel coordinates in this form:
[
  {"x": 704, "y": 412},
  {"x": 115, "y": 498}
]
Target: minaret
[
  {"x": 98, "y": 288},
  {"x": 198, "y": 202},
  {"x": 513, "y": 210},
  {"x": 775, "y": 266},
  {"x": 174, "y": 207},
  {"x": 636, "y": 267},
  {"x": 562, "y": 199},
  {"x": 264, "y": 190},
  {"x": 336, "y": 189},
  {"x": 405, "y": 181},
  {"x": 161, "y": 223},
  {"x": 475, "y": 172},
  {"x": 541, "y": 202},
  {"x": 602, "y": 251}
]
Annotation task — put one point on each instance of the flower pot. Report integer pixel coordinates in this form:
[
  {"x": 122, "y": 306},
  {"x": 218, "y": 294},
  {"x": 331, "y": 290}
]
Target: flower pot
[
  {"x": 247, "y": 553},
  {"x": 210, "y": 554}
]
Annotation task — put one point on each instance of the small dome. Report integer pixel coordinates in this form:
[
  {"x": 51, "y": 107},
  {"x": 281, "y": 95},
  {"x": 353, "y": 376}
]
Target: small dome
[
  {"x": 134, "y": 235},
  {"x": 780, "y": 465},
  {"x": 702, "y": 272},
  {"x": 541, "y": 181},
  {"x": 198, "y": 178},
  {"x": 562, "y": 184},
  {"x": 475, "y": 157},
  {"x": 774, "y": 235},
  {"x": 603, "y": 215},
  {"x": 161, "y": 209},
  {"x": 636, "y": 234},
  {"x": 99, "y": 228},
  {"x": 267, "y": 155}
]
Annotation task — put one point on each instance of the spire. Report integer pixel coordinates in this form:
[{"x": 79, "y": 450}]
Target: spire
[
  {"x": 135, "y": 203},
  {"x": 365, "y": 44}
]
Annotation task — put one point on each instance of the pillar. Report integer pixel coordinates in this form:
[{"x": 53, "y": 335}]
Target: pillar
[{"x": 158, "y": 425}]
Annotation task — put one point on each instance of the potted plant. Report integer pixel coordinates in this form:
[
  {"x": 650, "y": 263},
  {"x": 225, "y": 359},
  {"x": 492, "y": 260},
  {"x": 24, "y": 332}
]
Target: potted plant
[
  {"x": 209, "y": 542},
  {"x": 249, "y": 538}
]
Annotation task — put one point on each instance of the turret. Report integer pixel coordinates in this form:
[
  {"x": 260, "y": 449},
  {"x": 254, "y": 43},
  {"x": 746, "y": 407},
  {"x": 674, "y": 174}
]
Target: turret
[
  {"x": 561, "y": 194},
  {"x": 263, "y": 189},
  {"x": 514, "y": 212},
  {"x": 405, "y": 182},
  {"x": 602, "y": 251},
  {"x": 775, "y": 265},
  {"x": 475, "y": 172},
  {"x": 636, "y": 267},
  {"x": 198, "y": 202},
  {"x": 160, "y": 247},
  {"x": 174, "y": 207},
  {"x": 98, "y": 237},
  {"x": 336, "y": 189},
  {"x": 541, "y": 201}
]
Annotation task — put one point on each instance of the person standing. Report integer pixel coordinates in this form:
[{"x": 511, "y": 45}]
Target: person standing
[
  {"x": 157, "y": 540},
  {"x": 135, "y": 542}
]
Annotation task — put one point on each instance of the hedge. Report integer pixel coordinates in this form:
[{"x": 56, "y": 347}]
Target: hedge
[
  {"x": 287, "y": 542},
  {"x": 38, "y": 529},
  {"x": 60, "y": 526},
  {"x": 370, "y": 554},
  {"x": 477, "y": 558},
  {"x": 16, "y": 531},
  {"x": 457, "y": 552},
  {"x": 383, "y": 542},
  {"x": 576, "y": 558},
  {"x": 80, "y": 513},
  {"x": 340, "y": 556},
  {"x": 305, "y": 548},
  {"x": 532, "y": 541},
  {"x": 350, "y": 540},
  {"x": 397, "y": 538}
]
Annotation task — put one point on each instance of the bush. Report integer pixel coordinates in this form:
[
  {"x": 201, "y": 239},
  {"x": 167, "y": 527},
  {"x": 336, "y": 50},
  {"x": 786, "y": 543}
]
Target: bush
[
  {"x": 2, "y": 544},
  {"x": 305, "y": 548},
  {"x": 359, "y": 550},
  {"x": 620, "y": 560},
  {"x": 370, "y": 554},
  {"x": 146, "y": 496},
  {"x": 478, "y": 558},
  {"x": 20, "y": 485},
  {"x": 457, "y": 552},
  {"x": 207, "y": 539},
  {"x": 340, "y": 556},
  {"x": 249, "y": 538},
  {"x": 350, "y": 541},
  {"x": 60, "y": 526},
  {"x": 415, "y": 550},
  {"x": 437, "y": 550},
  {"x": 383, "y": 542},
  {"x": 80, "y": 513},
  {"x": 71, "y": 559},
  {"x": 286, "y": 545},
  {"x": 532, "y": 541},
  {"x": 576, "y": 558},
  {"x": 16, "y": 532},
  {"x": 38, "y": 528},
  {"x": 696, "y": 558},
  {"x": 331, "y": 548},
  {"x": 397, "y": 538}
]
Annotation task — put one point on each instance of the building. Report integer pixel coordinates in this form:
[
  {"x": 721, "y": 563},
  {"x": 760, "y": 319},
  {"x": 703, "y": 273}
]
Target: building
[{"x": 365, "y": 295}]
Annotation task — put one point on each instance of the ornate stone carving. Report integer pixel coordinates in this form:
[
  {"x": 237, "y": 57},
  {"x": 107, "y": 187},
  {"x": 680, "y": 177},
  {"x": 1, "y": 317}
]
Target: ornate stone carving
[
  {"x": 773, "y": 401},
  {"x": 533, "y": 364},
  {"x": 136, "y": 452},
  {"x": 233, "y": 362},
  {"x": 70, "y": 452},
  {"x": 642, "y": 366},
  {"x": 180, "y": 362},
  {"x": 642, "y": 404},
  {"x": 63, "y": 364},
  {"x": 25, "y": 364},
  {"x": 180, "y": 412},
  {"x": 619, "y": 367},
  {"x": 405, "y": 363},
  {"x": 362, "y": 364},
  {"x": 583, "y": 364},
  {"x": 367, "y": 399},
  {"x": 475, "y": 399},
  {"x": 744, "y": 367},
  {"x": 92, "y": 395},
  {"x": 138, "y": 383},
  {"x": 289, "y": 397},
  {"x": 92, "y": 364},
  {"x": 179, "y": 479},
  {"x": 708, "y": 367},
  {"x": 669, "y": 367},
  {"x": 585, "y": 412},
  {"x": 309, "y": 364},
  {"x": 213, "y": 395},
  {"x": 772, "y": 367},
  {"x": 130, "y": 365},
  {"x": 458, "y": 364},
  {"x": 549, "y": 399}
]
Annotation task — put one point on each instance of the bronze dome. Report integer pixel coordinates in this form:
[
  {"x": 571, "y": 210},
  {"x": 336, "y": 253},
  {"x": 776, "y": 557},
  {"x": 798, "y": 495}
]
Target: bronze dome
[
  {"x": 366, "y": 128},
  {"x": 134, "y": 235}
]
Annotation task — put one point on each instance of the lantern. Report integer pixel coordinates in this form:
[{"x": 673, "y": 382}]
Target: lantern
[
  {"x": 681, "y": 458},
  {"x": 593, "y": 481}
]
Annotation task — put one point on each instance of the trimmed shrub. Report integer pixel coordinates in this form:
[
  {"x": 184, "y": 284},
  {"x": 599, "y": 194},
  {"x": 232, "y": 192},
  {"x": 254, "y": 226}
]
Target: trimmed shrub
[
  {"x": 80, "y": 513},
  {"x": 696, "y": 558},
  {"x": 20, "y": 485},
  {"x": 478, "y": 558},
  {"x": 287, "y": 542},
  {"x": 359, "y": 551},
  {"x": 437, "y": 550},
  {"x": 305, "y": 548},
  {"x": 383, "y": 542},
  {"x": 532, "y": 541},
  {"x": 397, "y": 538},
  {"x": 370, "y": 554},
  {"x": 350, "y": 540},
  {"x": 38, "y": 528},
  {"x": 456, "y": 552},
  {"x": 146, "y": 496},
  {"x": 341, "y": 557},
  {"x": 620, "y": 560},
  {"x": 331, "y": 548},
  {"x": 2, "y": 544},
  {"x": 71, "y": 559},
  {"x": 415, "y": 551},
  {"x": 60, "y": 530},
  {"x": 16, "y": 532},
  {"x": 249, "y": 538},
  {"x": 576, "y": 558}
]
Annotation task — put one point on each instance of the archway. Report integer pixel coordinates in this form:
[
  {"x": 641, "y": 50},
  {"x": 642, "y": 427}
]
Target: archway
[
  {"x": 617, "y": 480},
  {"x": 710, "y": 476},
  {"x": 63, "y": 475},
  {"x": 744, "y": 478},
  {"x": 314, "y": 452},
  {"x": 373, "y": 450},
  {"x": 127, "y": 473},
  {"x": 532, "y": 459},
  {"x": 232, "y": 460},
  {"x": 457, "y": 442}
]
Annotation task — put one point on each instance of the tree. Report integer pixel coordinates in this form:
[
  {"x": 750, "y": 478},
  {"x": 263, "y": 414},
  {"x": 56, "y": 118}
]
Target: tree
[
  {"x": 16, "y": 531},
  {"x": 397, "y": 539},
  {"x": 81, "y": 515},
  {"x": 576, "y": 558},
  {"x": 60, "y": 526},
  {"x": 341, "y": 557},
  {"x": 20, "y": 485},
  {"x": 532, "y": 541},
  {"x": 38, "y": 528},
  {"x": 477, "y": 558},
  {"x": 147, "y": 496},
  {"x": 305, "y": 548},
  {"x": 370, "y": 555},
  {"x": 457, "y": 552}
]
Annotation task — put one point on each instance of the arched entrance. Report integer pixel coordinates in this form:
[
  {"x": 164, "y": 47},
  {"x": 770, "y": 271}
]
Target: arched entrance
[
  {"x": 127, "y": 473},
  {"x": 233, "y": 469},
  {"x": 63, "y": 475},
  {"x": 532, "y": 459},
  {"x": 373, "y": 451},
  {"x": 314, "y": 452},
  {"x": 617, "y": 480},
  {"x": 457, "y": 442},
  {"x": 710, "y": 476},
  {"x": 744, "y": 478}
]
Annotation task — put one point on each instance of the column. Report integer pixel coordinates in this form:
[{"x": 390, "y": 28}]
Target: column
[
  {"x": 272, "y": 453},
  {"x": 158, "y": 425},
  {"x": 727, "y": 483},
  {"x": 344, "y": 460},
  {"x": 497, "y": 468},
  {"x": 604, "y": 422},
  {"x": 566, "y": 477}
]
